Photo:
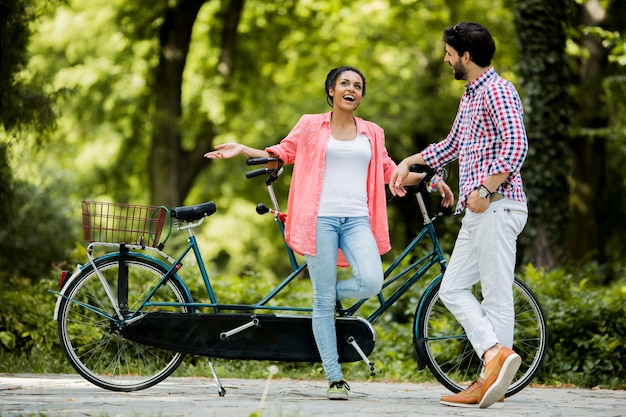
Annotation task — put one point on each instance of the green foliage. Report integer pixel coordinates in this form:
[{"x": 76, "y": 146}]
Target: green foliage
[
  {"x": 103, "y": 55},
  {"x": 28, "y": 334},
  {"x": 38, "y": 234},
  {"x": 586, "y": 326},
  {"x": 283, "y": 52},
  {"x": 22, "y": 103},
  {"x": 6, "y": 181}
]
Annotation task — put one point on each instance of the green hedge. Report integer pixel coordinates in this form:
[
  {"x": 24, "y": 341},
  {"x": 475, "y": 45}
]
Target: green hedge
[
  {"x": 28, "y": 333},
  {"x": 586, "y": 322},
  {"x": 587, "y": 328}
]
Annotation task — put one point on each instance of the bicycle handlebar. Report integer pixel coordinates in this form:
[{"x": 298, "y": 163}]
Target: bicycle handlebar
[
  {"x": 272, "y": 173},
  {"x": 257, "y": 172},
  {"x": 424, "y": 169},
  {"x": 421, "y": 186},
  {"x": 262, "y": 160}
]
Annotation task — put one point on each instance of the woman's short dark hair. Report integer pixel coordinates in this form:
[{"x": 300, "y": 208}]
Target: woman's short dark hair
[
  {"x": 331, "y": 80},
  {"x": 473, "y": 38}
]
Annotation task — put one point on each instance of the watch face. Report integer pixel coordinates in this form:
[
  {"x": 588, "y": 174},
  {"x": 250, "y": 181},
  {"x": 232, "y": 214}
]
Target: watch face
[{"x": 483, "y": 193}]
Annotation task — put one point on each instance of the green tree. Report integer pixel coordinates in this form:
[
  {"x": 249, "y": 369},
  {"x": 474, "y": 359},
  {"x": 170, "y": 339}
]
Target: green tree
[
  {"x": 543, "y": 69},
  {"x": 21, "y": 103},
  {"x": 26, "y": 118},
  {"x": 247, "y": 75},
  {"x": 566, "y": 69},
  {"x": 152, "y": 85},
  {"x": 598, "y": 153},
  {"x": 174, "y": 169}
]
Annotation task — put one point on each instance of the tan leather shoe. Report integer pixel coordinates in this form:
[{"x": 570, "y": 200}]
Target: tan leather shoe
[
  {"x": 466, "y": 398},
  {"x": 499, "y": 373}
]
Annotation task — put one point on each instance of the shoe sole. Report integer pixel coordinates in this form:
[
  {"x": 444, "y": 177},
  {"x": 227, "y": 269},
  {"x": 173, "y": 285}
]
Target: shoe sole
[
  {"x": 337, "y": 397},
  {"x": 497, "y": 404},
  {"x": 501, "y": 384}
]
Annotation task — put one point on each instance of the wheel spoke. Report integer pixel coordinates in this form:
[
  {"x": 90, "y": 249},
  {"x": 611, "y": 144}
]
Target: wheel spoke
[
  {"x": 93, "y": 344},
  {"x": 450, "y": 356}
]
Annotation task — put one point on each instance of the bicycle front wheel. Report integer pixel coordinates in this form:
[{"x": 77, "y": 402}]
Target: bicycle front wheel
[
  {"x": 89, "y": 332},
  {"x": 442, "y": 343}
]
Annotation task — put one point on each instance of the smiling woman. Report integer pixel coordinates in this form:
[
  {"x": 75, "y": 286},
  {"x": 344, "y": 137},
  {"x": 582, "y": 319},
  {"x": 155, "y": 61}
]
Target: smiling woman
[
  {"x": 345, "y": 87},
  {"x": 337, "y": 204}
]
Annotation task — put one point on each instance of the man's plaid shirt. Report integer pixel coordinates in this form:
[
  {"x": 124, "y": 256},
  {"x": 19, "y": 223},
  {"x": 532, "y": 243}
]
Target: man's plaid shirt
[{"x": 487, "y": 137}]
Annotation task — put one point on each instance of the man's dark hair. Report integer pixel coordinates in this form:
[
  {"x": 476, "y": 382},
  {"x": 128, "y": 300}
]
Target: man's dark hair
[
  {"x": 331, "y": 80},
  {"x": 473, "y": 38}
]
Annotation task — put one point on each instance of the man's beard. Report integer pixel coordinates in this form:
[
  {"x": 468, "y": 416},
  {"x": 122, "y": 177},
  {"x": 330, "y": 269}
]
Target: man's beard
[{"x": 460, "y": 72}]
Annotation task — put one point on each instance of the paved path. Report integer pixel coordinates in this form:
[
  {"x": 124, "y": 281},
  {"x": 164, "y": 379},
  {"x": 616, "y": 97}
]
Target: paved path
[{"x": 70, "y": 395}]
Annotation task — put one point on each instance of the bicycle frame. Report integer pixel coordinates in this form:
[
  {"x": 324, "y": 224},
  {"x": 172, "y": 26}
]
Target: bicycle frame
[
  {"x": 423, "y": 264},
  {"x": 415, "y": 271}
]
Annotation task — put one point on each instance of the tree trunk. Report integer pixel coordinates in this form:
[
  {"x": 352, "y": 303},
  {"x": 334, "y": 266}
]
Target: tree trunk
[
  {"x": 540, "y": 29},
  {"x": 166, "y": 156},
  {"x": 173, "y": 169},
  {"x": 589, "y": 145}
]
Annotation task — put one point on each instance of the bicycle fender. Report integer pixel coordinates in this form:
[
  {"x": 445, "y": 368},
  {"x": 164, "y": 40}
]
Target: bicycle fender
[
  {"x": 426, "y": 293},
  {"x": 418, "y": 340},
  {"x": 81, "y": 268}
]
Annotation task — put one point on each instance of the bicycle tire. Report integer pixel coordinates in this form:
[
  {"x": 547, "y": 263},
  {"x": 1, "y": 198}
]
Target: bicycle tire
[
  {"x": 449, "y": 354},
  {"x": 90, "y": 341}
]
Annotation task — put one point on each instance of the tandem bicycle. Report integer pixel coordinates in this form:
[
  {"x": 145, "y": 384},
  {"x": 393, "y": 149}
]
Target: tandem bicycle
[{"x": 127, "y": 319}]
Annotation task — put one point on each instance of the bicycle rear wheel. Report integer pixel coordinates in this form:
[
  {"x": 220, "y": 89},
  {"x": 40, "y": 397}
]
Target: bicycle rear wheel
[
  {"x": 441, "y": 341},
  {"x": 89, "y": 333}
]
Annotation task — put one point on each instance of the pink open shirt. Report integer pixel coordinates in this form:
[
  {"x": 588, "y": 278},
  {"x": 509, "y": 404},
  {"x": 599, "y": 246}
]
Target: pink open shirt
[{"x": 305, "y": 147}]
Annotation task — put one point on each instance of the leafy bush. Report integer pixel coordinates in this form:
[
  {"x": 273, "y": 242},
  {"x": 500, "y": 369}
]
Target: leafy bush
[
  {"x": 36, "y": 234},
  {"x": 28, "y": 333},
  {"x": 586, "y": 325}
]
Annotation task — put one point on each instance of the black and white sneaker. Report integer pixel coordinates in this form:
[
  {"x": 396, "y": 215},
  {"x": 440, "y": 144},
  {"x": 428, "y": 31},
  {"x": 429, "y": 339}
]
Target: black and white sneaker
[{"x": 338, "y": 390}]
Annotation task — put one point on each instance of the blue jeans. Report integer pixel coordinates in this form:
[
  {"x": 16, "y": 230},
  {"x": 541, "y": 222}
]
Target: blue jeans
[{"x": 353, "y": 235}]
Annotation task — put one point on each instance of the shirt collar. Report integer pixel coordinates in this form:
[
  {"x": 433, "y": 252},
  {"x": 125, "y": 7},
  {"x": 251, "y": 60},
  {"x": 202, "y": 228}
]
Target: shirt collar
[
  {"x": 486, "y": 77},
  {"x": 359, "y": 122}
]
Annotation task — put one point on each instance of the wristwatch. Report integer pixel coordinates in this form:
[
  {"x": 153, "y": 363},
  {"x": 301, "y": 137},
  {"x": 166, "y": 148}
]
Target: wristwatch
[{"x": 483, "y": 192}]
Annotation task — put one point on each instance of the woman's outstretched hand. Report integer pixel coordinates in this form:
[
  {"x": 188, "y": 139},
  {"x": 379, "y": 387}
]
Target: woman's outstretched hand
[{"x": 225, "y": 151}]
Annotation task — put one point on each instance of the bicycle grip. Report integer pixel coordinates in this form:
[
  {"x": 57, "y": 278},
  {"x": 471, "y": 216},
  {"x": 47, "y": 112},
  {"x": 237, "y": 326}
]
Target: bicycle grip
[
  {"x": 256, "y": 173},
  {"x": 260, "y": 160},
  {"x": 424, "y": 169}
]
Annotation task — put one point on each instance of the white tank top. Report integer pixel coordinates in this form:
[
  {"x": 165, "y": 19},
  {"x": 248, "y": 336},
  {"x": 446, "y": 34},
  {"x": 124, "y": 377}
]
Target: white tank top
[{"x": 344, "y": 190}]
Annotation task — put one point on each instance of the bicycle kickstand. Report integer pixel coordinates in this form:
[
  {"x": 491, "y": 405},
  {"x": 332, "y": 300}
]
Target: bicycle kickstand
[
  {"x": 220, "y": 388},
  {"x": 356, "y": 346}
]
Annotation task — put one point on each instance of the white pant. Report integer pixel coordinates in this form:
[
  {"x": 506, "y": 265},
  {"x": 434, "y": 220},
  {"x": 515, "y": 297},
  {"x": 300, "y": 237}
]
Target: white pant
[{"x": 485, "y": 251}]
